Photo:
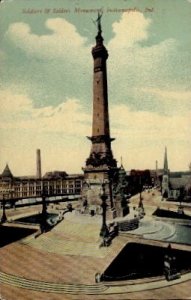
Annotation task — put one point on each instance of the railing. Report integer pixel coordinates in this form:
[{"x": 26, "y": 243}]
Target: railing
[{"x": 36, "y": 196}]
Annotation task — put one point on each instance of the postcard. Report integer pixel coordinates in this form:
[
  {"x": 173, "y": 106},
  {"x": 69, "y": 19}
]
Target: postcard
[{"x": 95, "y": 159}]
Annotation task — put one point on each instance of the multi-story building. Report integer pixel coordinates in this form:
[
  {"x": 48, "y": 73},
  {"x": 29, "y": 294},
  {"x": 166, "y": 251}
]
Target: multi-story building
[{"x": 54, "y": 183}]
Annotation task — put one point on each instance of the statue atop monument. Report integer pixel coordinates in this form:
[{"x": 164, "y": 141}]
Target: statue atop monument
[
  {"x": 99, "y": 38},
  {"x": 98, "y": 21}
]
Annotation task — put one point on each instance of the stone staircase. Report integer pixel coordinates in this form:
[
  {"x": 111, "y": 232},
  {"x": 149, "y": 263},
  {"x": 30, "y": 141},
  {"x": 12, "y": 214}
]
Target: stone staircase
[
  {"x": 50, "y": 287},
  {"x": 128, "y": 225},
  {"x": 166, "y": 232},
  {"x": 67, "y": 238},
  {"x": 54, "y": 244},
  {"x": 80, "y": 231},
  {"x": 156, "y": 230}
]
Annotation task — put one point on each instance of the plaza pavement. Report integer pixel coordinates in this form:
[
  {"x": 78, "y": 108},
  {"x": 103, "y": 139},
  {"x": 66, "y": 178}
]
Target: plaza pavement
[{"x": 69, "y": 256}]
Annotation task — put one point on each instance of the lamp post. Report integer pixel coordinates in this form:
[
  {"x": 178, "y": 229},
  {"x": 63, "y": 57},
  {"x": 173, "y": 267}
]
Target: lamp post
[
  {"x": 140, "y": 205},
  {"x": 44, "y": 210},
  {"x": 4, "y": 217},
  {"x": 140, "y": 183},
  {"x": 7, "y": 192},
  {"x": 111, "y": 190},
  {"x": 181, "y": 198},
  {"x": 104, "y": 232}
]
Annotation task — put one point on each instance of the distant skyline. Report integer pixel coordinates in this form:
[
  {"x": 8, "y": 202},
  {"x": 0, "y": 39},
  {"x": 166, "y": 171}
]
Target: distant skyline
[{"x": 46, "y": 82}]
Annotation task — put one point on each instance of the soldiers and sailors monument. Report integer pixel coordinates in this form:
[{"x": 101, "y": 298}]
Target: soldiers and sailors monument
[{"x": 101, "y": 166}]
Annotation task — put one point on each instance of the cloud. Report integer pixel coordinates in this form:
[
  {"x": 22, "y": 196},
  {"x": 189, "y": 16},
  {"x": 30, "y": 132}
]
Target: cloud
[
  {"x": 172, "y": 101},
  {"x": 135, "y": 70},
  {"x": 18, "y": 112},
  {"x": 149, "y": 99},
  {"x": 141, "y": 137},
  {"x": 60, "y": 132},
  {"x": 53, "y": 65},
  {"x": 129, "y": 30},
  {"x": 148, "y": 127},
  {"x": 14, "y": 103},
  {"x": 175, "y": 95},
  {"x": 140, "y": 74},
  {"x": 71, "y": 117},
  {"x": 64, "y": 40},
  {"x": 2, "y": 55}
]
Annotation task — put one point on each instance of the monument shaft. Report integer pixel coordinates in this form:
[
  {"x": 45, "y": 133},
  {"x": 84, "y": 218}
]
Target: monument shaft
[
  {"x": 101, "y": 154},
  {"x": 100, "y": 165}
]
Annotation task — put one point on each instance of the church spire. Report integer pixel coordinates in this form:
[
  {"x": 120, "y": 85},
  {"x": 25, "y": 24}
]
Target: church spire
[
  {"x": 165, "y": 162},
  {"x": 121, "y": 159}
]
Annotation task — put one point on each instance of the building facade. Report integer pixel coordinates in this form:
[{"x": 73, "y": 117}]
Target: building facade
[
  {"x": 56, "y": 183},
  {"x": 175, "y": 185}
]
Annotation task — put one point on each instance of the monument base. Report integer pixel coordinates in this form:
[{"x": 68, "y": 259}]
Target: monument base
[{"x": 91, "y": 202}]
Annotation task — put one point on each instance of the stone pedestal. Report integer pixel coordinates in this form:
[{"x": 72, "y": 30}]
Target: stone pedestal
[{"x": 92, "y": 189}]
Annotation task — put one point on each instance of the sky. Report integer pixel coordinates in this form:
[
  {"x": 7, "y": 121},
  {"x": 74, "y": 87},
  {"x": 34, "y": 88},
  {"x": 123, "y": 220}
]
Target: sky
[{"x": 46, "y": 79}]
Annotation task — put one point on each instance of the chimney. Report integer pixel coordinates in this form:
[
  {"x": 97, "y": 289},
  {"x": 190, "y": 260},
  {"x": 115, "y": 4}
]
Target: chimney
[
  {"x": 156, "y": 166},
  {"x": 38, "y": 164}
]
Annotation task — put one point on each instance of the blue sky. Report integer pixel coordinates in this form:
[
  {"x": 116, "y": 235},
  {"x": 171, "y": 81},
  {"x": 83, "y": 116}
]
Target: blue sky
[{"x": 46, "y": 82}]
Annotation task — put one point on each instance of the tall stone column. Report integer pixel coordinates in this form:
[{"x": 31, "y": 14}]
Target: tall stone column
[{"x": 100, "y": 165}]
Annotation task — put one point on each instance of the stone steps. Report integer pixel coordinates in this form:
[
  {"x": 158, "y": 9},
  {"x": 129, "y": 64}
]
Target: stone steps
[
  {"x": 127, "y": 225},
  {"x": 83, "y": 232},
  {"x": 156, "y": 231},
  {"x": 166, "y": 232},
  {"x": 54, "y": 244},
  {"x": 42, "y": 286}
]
